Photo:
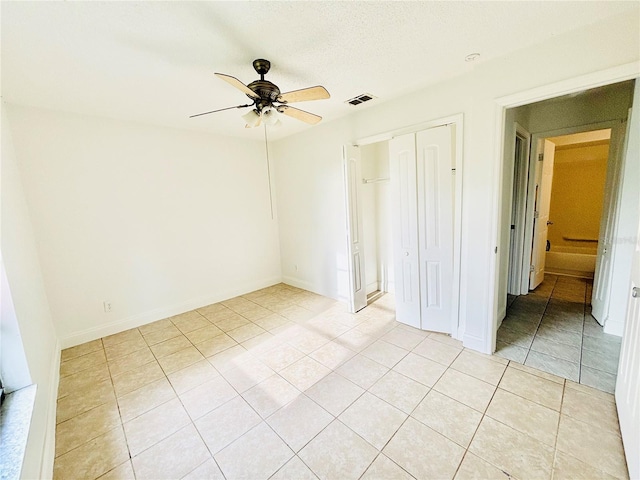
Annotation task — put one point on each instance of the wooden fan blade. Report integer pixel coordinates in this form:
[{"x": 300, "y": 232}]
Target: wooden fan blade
[
  {"x": 299, "y": 114},
  {"x": 219, "y": 110},
  {"x": 305, "y": 95},
  {"x": 238, "y": 84}
]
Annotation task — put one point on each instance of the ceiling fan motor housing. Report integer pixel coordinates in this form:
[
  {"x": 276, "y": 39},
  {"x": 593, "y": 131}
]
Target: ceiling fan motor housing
[{"x": 267, "y": 91}]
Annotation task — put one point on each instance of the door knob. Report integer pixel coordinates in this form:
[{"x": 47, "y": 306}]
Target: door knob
[
  {"x": 635, "y": 292},
  {"x": 549, "y": 222},
  {"x": 406, "y": 254}
]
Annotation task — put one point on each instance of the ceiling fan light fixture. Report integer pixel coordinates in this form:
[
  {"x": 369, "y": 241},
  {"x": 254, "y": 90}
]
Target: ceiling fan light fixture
[
  {"x": 252, "y": 118},
  {"x": 270, "y": 117}
]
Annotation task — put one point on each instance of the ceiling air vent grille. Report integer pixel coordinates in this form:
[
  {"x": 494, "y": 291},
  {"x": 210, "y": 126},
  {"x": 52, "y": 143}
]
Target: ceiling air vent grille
[{"x": 365, "y": 97}]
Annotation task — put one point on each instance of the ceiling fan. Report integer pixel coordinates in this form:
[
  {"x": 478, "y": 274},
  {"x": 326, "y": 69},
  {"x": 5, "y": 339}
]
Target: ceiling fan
[{"x": 268, "y": 102}]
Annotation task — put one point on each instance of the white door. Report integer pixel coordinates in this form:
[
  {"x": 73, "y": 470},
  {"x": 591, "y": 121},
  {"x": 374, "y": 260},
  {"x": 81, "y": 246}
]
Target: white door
[
  {"x": 353, "y": 177},
  {"x": 602, "y": 275},
  {"x": 402, "y": 166},
  {"x": 628, "y": 381},
  {"x": 544, "y": 179},
  {"x": 435, "y": 227}
]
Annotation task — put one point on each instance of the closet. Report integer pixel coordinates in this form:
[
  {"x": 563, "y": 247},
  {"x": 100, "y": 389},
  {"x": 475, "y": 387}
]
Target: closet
[{"x": 422, "y": 209}]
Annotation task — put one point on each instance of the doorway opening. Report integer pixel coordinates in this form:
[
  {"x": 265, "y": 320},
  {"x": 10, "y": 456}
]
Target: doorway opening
[{"x": 564, "y": 194}]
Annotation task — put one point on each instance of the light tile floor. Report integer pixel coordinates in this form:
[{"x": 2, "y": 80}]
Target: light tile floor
[
  {"x": 552, "y": 329},
  {"x": 284, "y": 384}
]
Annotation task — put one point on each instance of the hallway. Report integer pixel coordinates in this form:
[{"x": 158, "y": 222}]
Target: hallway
[{"x": 552, "y": 329}]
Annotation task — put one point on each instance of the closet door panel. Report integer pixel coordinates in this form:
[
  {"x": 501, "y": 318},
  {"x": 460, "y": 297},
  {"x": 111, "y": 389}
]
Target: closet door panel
[{"x": 435, "y": 226}]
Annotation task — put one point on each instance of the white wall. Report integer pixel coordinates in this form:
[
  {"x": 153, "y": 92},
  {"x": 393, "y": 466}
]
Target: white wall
[
  {"x": 155, "y": 220},
  {"x": 31, "y": 315},
  {"x": 311, "y": 201}
]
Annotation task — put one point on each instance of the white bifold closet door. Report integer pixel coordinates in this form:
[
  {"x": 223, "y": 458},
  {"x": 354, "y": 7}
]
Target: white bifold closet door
[{"x": 422, "y": 205}]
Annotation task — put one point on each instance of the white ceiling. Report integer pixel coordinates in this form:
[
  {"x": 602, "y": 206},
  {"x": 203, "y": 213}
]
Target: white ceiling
[{"x": 153, "y": 62}]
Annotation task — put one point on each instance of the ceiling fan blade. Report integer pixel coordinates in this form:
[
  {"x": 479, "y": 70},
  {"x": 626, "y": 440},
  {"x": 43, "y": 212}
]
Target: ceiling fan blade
[
  {"x": 219, "y": 110},
  {"x": 238, "y": 84},
  {"x": 298, "y": 114},
  {"x": 305, "y": 95}
]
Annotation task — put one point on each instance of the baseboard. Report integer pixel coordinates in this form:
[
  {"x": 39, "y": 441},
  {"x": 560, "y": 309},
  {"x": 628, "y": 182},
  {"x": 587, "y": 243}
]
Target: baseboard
[
  {"x": 501, "y": 315},
  {"x": 49, "y": 447},
  {"x": 475, "y": 343},
  {"x": 160, "y": 313},
  {"x": 296, "y": 282},
  {"x": 614, "y": 328}
]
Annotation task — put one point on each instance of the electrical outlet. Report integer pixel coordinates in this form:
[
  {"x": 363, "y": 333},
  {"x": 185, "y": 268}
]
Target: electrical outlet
[{"x": 107, "y": 306}]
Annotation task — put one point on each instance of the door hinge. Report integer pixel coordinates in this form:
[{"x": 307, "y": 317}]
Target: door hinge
[
  {"x": 541, "y": 157},
  {"x": 532, "y": 268},
  {"x": 536, "y": 214}
]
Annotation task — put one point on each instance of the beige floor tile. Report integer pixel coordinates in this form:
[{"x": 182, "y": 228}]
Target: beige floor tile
[
  {"x": 192, "y": 376},
  {"x": 155, "y": 326},
  {"x": 145, "y": 398},
  {"x": 261, "y": 343},
  {"x": 271, "y": 321},
  {"x": 229, "y": 358},
  {"x": 209, "y": 470},
  {"x": 355, "y": 340},
  {"x": 212, "y": 310},
  {"x": 525, "y": 457},
  {"x": 86, "y": 426},
  {"x": 136, "y": 378},
  {"x": 525, "y": 416},
  {"x": 227, "y": 423},
  {"x": 332, "y": 355},
  {"x": 437, "y": 351},
  {"x": 604, "y": 396},
  {"x": 483, "y": 368},
  {"x": 82, "y": 379},
  {"x": 334, "y": 393},
  {"x": 420, "y": 369},
  {"x": 270, "y": 395},
  {"x": 206, "y": 332},
  {"x": 130, "y": 362},
  {"x": 231, "y": 322},
  {"x": 448, "y": 417},
  {"x": 247, "y": 374},
  {"x": 566, "y": 467},
  {"x": 262, "y": 451},
  {"x": 124, "y": 348},
  {"x": 299, "y": 421},
  {"x": 327, "y": 327},
  {"x": 245, "y": 332},
  {"x": 469, "y": 390},
  {"x": 304, "y": 373},
  {"x": 173, "y": 457},
  {"x": 206, "y": 397},
  {"x": 423, "y": 452},
  {"x": 190, "y": 321},
  {"x": 84, "y": 399},
  {"x": 338, "y": 453},
  {"x": 216, "y": 345},
  {"x": 474, "y": 468},
  {"x": 294, "y": 469},
  {"x": 538, "y": 373},
  {"x": 444, "y": 338},
  {"x": 79, "y": 350},
  {"x": 94, "y": 458},
  {"x": 591, "y": 409},
  {"x": 170, "y": 346},
  {"x": 256, "y": 313},
  {"x": 180, "y": 359},
  {"x": 532, "y": 387},
  {"x": 362, "y": 371},
  {"x": 121, "y": 472},
  {"x": 121, "y": 337},
  {"x": 403, "y": 338},
  {"x": 373, "y": 419},
  {"x": 162, "y": 334},
  {"x": 592, "y": 445},
  {"x": 399, "y": 391},
  {"x": 281, "y": 356},
  {"x": 308, "y": 341},
  {"x": 384, "y": 353},
  {"x": 83, "y": 362},
  {"x": 384, "y": 469},
  {"x": 149, "y": 428}
]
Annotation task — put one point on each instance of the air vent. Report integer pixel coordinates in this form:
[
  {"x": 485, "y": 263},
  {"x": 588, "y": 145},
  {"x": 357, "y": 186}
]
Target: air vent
[{"x": 365, "y": 97}]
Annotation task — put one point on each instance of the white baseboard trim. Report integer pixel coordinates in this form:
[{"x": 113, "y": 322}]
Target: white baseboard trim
[
  {"x": 475, "y": 343},
  {"x": 614, "y": 328},
  {"x": 49, "y": 447},
  {"x": 501, "y": 316},
  {"x": 160, "y": 313},
  {"x": 296, "y": 282}
]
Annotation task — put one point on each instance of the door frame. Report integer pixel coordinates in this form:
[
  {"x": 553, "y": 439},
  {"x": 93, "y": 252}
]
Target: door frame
[
  {"x": 609, "y": 76},
  {"x": 457, "y": 121}
]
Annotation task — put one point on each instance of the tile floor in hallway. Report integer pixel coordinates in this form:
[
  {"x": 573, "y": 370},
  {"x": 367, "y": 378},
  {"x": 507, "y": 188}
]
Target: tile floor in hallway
[
  {"x": 552, "y": 329},
  {"x": 284, "y": 384}
]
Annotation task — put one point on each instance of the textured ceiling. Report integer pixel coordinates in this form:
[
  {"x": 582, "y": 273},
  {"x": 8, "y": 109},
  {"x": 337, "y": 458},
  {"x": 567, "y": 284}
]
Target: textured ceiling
[{"x": 153, "y": 62}]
